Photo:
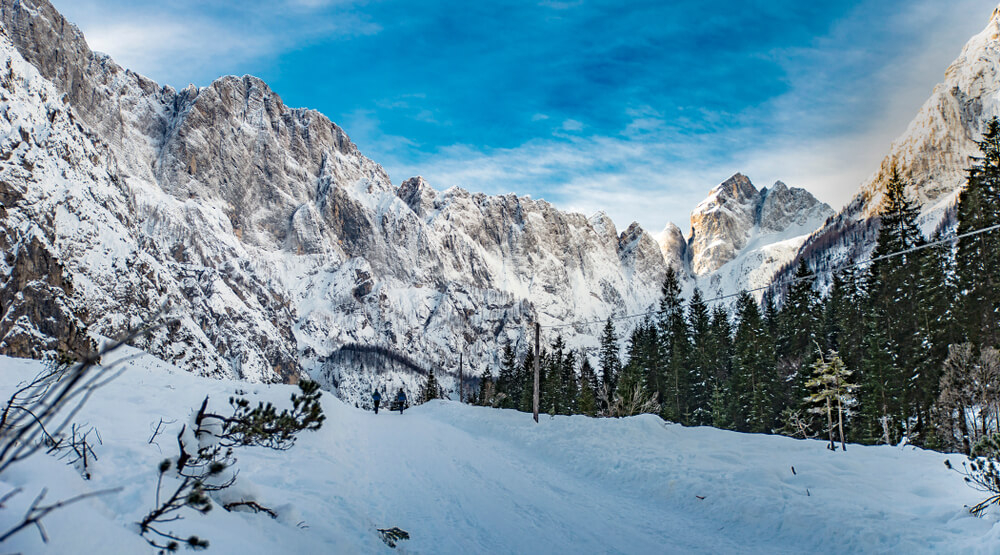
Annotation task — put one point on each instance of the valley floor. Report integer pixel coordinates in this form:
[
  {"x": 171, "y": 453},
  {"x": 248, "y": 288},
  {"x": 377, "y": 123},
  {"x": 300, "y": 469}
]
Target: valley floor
[{"x": 464, "y": 479}]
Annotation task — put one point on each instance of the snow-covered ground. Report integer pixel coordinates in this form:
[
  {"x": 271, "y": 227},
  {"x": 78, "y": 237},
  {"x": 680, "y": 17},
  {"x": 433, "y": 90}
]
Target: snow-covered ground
[{"x": 464, "y": 479}]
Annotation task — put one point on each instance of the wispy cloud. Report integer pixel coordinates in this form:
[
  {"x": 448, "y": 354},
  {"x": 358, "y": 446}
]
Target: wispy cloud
[
  {"x": 163, "y": 46},
  {"x": 192, "y": 41}
]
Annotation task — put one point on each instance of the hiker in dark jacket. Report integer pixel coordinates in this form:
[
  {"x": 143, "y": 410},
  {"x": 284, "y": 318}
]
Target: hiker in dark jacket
[
  {"x": 401, "y": 399},
  {"x": 376, "y": 396}
]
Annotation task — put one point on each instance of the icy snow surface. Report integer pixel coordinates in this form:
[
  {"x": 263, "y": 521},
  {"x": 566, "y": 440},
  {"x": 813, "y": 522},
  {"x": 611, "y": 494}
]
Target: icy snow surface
[{"x": 464, "y": 479}]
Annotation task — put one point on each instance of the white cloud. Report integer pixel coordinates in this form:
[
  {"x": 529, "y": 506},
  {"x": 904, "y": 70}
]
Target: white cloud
[
  {"x": 177, "y": 42},
  {"x": 160, "y": 48},
  {"x": 572, "y": 125}
]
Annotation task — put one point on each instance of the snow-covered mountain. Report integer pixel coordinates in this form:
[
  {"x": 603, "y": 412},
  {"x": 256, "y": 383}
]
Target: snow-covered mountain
[
  {"x": 274, "y": 242},
  {"x": 264, "y": 228},
  {"x": 740, "y": 237}
]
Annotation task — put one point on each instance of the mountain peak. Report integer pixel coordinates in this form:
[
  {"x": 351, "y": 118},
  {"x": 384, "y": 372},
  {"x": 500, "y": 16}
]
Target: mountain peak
[
  {"x": 723, "y": 223},
  {"x": 738, "y": 186}
]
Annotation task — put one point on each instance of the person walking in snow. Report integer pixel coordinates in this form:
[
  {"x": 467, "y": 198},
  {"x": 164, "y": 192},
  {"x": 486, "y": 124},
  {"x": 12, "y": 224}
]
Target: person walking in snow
[
  {"x": 376, "y": 397},
  {"x": 401, "y": 399}
]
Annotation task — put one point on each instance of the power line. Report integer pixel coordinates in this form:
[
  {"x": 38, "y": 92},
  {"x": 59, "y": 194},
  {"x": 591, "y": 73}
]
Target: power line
[{"x": 792, "y": 280}]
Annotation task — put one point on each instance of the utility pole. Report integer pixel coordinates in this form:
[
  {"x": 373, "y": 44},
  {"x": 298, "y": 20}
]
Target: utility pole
[
  {"x": 538, "y": 354},
  {"x": 461, "y": 382}
]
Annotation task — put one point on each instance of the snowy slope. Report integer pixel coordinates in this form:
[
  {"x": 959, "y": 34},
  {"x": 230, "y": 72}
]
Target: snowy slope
[{"x": 466, "y": 479}]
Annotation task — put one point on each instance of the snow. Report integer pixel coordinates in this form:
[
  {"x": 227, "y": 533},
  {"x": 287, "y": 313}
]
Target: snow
[{"x": 464, "y": 479}]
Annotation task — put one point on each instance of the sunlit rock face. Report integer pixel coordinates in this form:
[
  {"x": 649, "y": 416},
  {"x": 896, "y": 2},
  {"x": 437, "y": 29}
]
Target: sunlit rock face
[{"x": 736, "y": 213}]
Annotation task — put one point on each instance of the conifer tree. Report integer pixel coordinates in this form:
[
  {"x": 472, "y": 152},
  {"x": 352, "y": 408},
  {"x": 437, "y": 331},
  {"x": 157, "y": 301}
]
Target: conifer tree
[
  {"x": 831, "y": 393},
  {"x": 720, "y": 350},
  {"x": 936, "y": 330},
  {"x": 978, "y": 256},
  {"x": 797, "y": 336},
  {"x": 644, "y": 354},
  {"x": 507, "y": 384},
  {"x": 487, "y": 388},
  {"x": 587, "y": 401},
  {"x": 610, "y": 361},
  {"x": 753, "y": 403},
  {"x": 569, "y": 387},
  {"x": 769, "y": 310},
  {"x": 527, "y": 381},
  {"x": 674, "y": 383},
  {"x": 430, "y": 390},
  {"x": 850, "y": 315},
  {"x": 551, "y": 382},
  {"x": 833, "y": 309},
  {"x": 632, "y": 394},
  {"x": 700, "y": 360},
  {"x": 892, "y": 345}
]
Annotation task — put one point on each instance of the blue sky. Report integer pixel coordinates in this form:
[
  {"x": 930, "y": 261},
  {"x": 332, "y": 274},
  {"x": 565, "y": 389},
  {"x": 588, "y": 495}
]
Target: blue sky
[{"x": 635, "y": 108}]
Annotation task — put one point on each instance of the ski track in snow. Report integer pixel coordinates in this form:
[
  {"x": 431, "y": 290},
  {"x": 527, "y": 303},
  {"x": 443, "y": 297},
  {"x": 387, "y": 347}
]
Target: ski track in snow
[{"x": 464, "y": 479}]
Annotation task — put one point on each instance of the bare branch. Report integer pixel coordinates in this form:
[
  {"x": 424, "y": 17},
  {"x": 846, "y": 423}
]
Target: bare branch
[{"x": 37, "y": 511}]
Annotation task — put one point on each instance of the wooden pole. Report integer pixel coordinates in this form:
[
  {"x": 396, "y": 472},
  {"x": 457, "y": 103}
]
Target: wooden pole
[
  {"x": 461, "y": 382},
  {"x": 538, "y": 354}
]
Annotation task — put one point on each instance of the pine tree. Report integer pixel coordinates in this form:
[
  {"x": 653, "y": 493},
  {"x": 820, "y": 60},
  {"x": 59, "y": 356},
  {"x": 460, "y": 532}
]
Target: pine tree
[
  {"x": 507, "y": 384},
  {"x": 610, "y": 362},
  {"x": 833, "y": 305},
  {"x": 892, "y": 347},
  {"x": 430, "y": 390},
  {"x": 527, "y": 381},
  {"x": 852, "y": 327},
  {"x": 644, "y": 353},
  {"x": 569, "y": 387},
  {"x": 551, "y": 380},
  {"x": 978, "y": 256},
  {"x": 753, "y": 400},
  {"x": 674, "y": 382},
  {"x": 587, "y": 401},
  {"x": 797, "y": 336},
  {"x": 487, "y": 388},
  {"x": 831, "y": 392},
  {"x": 700, "y": 360},
  {"x": 720, "y": 349},
  {"x": 936, "y": 330},
  {"x": 632, "y": 396}
]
